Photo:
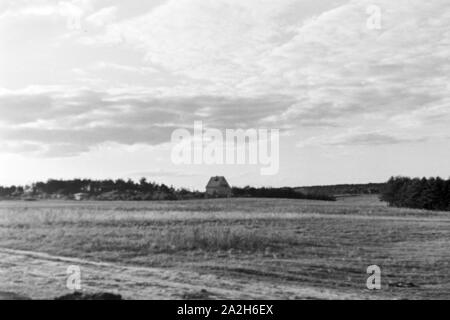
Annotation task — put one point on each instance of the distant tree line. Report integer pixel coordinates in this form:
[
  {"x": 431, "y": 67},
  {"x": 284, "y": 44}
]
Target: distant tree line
[
  {"x": 87, "y": 189},
  {"x": 285, "y": 193},
  {"x": 343, "y": 189},
  {"x": 10, "y": 191},
  {"x": 429, "y": 194},
  {"x": 99, "y": 190}
]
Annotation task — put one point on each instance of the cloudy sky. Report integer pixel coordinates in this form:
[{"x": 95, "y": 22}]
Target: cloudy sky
[{"x": 95, "y": 88}]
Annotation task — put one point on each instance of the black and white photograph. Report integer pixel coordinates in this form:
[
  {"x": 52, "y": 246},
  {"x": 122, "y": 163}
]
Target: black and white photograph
[{"x": 188, "y": 151}]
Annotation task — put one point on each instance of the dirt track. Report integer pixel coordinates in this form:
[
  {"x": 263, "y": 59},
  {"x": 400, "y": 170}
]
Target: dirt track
[{"x": 42, "y": 276}]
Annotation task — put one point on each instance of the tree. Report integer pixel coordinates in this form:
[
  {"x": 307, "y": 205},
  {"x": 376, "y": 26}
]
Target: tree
[{"x": 429, "y": 194}]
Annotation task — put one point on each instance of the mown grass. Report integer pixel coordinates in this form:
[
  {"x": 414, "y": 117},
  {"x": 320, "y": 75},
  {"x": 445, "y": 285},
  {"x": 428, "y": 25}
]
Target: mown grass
[{"x": 328, "y": 245}]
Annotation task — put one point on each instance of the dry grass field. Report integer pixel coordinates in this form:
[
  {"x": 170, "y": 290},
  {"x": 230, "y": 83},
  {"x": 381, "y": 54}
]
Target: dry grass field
[{"x": 255, "y": 244}]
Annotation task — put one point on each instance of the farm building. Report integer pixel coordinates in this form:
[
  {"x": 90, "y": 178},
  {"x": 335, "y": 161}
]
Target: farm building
[
  {"x": 80, "y": 196},
  {"x": 218, "y": 187}
]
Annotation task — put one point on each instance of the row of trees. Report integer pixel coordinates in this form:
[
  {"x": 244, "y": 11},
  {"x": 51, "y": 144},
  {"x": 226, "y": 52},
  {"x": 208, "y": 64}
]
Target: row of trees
[
  {"x": 11, "y": 191},
  {"x": 119, "y": 189},
  {"x": 99, "y": 190},
  {"x": 95, "y": 187},
  {"x": 429, "y": 194}
]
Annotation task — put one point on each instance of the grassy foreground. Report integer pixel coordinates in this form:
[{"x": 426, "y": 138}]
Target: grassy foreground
[{"x": 320, "y": 244}]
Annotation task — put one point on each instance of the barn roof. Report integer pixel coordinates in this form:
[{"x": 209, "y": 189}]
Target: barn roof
[{"x": 216, "y": 182}]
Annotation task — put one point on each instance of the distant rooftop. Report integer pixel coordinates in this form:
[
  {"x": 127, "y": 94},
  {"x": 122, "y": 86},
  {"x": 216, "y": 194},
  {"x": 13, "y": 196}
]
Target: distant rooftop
[{"x": 216, "y": 182}]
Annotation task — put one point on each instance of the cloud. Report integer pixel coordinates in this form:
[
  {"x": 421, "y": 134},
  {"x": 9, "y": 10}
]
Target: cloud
[
  {"x": 123, "y": 68},
  {"x": 73, "y": 12},
  {"x": 161, "y": 174},
  {"x": 355, "y": 138},
  {"x": 243, "y": 64},
  {"x": 203, "y": 39},
  {"x": 68, "y": 121},
  {"x": 432, "y": 115},
  {"x": 103, "y": 17},
  {"x": 336, "y": 62},
  {"x": 334, "y": 67},
  {"x": 22, "y": 147}
]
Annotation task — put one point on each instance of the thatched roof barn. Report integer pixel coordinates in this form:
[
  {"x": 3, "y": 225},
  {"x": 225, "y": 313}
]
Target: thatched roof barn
[{"x": 218, "y": 187}]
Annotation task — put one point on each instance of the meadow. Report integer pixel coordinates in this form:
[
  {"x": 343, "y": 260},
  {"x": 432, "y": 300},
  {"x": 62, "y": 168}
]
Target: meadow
[{"x": 325, "y": 245}]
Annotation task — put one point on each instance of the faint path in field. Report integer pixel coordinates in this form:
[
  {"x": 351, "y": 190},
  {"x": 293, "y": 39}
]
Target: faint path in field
[{"x": 43, "y": 276}]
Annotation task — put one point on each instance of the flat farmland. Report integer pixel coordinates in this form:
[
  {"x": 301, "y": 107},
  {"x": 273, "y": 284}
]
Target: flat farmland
[{"x": 225, "y": 248}]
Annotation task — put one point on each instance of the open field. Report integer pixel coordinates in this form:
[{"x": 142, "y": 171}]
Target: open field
[{"x": 230, "y": 248}]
